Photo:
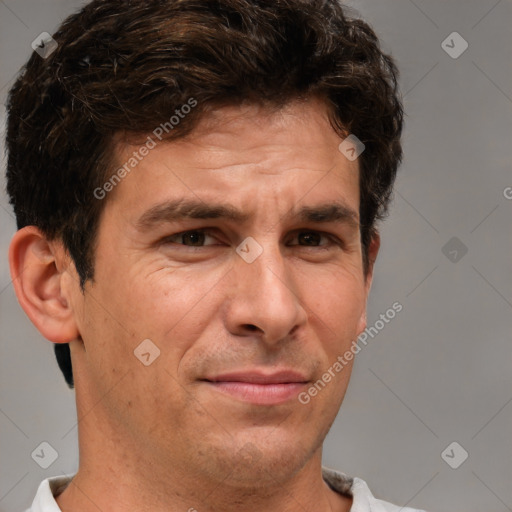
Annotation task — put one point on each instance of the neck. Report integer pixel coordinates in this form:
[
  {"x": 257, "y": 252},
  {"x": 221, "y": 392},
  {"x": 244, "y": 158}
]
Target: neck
[{"x": 90, "y": 493}]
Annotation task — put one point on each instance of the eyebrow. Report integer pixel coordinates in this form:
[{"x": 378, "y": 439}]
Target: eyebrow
[{"x": 180, "y": 209}]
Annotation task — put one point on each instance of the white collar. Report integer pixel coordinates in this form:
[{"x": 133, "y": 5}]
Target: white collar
[{"x": 363, "y": 499}]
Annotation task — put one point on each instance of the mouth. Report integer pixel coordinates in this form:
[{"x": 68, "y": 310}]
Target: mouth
[{"x": 258, "y": 387}]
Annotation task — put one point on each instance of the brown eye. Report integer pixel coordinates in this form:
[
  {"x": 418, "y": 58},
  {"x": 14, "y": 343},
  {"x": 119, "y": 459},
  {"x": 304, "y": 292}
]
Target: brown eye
[
  {"x": 195, "y": 238},
  {"x": 192, "y": 238},
  {"x": 310, "y": 238}
]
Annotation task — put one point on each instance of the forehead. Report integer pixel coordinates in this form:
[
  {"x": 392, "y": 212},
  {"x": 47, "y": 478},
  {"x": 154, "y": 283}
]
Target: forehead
[{"x": 245, "y": 152}]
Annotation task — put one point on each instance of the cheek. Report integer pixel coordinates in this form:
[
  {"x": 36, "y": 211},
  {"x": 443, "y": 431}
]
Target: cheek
[
  {"x": 335, "y": 299},
  {"x": 175, "y": 306},
  {"x": 115, "y": 374}
]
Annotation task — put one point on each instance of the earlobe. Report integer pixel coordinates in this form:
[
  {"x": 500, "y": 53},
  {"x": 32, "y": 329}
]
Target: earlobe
[
  {"x": 372, "y": 256},
  {"x": 373, "y": 250},
  {"x": 39, "y": 273},
  {"x": 361, "y": 325}
]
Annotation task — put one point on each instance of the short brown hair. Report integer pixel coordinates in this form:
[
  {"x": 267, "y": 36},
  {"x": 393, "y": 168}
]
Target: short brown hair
[{"x": 126, "y": 66}]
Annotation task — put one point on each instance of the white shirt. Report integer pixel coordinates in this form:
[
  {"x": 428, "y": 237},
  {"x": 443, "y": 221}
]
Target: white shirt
[{"x": 363, "y": 499}]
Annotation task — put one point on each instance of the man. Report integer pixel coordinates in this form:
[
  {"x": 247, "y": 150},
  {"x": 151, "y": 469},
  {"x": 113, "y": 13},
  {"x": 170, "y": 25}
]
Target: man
[{"x": 197, "y": 186}]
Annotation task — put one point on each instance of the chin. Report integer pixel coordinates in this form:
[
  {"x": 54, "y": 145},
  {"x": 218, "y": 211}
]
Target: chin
[{"x": 261, "y": 461}]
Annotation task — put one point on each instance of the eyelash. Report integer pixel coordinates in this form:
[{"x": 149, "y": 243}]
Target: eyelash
[{"x": 333, "y": 239}]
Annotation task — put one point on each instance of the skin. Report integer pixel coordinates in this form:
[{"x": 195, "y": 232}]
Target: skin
[{"x": 157, "y": 437}]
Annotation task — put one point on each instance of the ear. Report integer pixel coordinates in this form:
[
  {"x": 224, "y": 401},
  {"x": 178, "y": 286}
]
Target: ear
[
  {"x": 373, "y": 250},
  {"x": 42, "y": 282}
]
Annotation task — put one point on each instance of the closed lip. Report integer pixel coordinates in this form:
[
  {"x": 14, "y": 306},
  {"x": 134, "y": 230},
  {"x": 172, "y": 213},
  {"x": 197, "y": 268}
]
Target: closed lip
[{"x": 260, "y": 377}]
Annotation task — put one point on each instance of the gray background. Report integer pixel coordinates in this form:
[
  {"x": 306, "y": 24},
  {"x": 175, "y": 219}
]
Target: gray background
[{"x": 440, "y": 370}]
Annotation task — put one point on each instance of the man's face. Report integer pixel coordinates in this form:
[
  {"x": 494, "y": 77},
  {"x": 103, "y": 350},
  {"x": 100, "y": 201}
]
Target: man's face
[{"x": 239, "y": 339}]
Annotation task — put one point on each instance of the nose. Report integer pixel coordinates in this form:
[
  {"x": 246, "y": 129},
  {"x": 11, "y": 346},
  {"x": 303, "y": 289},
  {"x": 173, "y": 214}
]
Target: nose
[{"x": 265, "y": 299}]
